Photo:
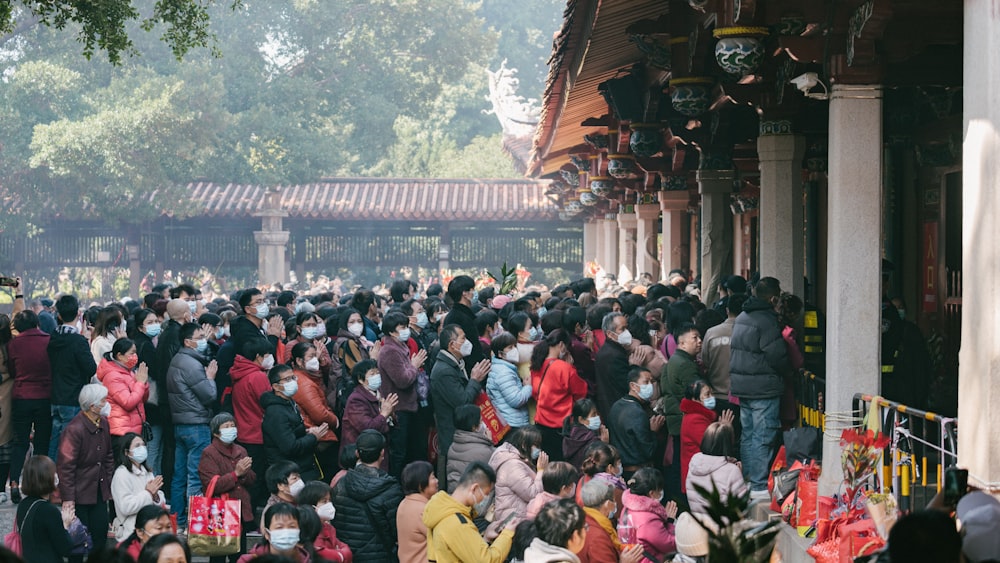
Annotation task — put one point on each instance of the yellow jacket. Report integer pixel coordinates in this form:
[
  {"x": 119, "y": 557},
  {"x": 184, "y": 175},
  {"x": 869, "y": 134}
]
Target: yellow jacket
[{"x": 452, "y": 536}]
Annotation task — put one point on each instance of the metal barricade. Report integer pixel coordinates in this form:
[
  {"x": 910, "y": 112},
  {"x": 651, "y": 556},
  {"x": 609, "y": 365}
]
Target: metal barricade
[
  {"x": 810, "y": 392},
  {"x": 920, "y": 442}
]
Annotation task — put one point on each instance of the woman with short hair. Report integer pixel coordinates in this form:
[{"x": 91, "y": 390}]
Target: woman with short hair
[
  {"x": 165, "y": 548},
  {"x": 227, "y": 460},
  {"x": 151, "y": 520},
  {"x": 42, "y": 527},
  {"x": 419, "y": 485},
  {"x": 560, "y": 531}
]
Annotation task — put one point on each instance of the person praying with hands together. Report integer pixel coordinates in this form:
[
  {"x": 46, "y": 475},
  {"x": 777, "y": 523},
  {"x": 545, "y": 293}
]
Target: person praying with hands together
[
  {"x": 134, "y": 485},
  {"x": 285, "y": 434},
  {"x": 228, "y": 461}
]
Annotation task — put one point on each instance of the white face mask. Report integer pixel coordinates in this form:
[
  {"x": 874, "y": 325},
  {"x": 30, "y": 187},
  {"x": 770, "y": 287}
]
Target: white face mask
[
  {"x": 268, "y": 362},
  {"x": 594, "y": 423},
  {"x": 326, "y": 511},
  {"x": 312, "y": 364},
  {"x": 296, "y": 487},
  {"x": 356, "y": 328},
  {"x": 310, "y": 332},
  {"x": 646, "y": 391},
  {"x": 422, "y": 319},
  {"x": 106, "y": 410},
  {"x": 404, "y": 334},
  {"x": 625, "y": 338},
  {"x": 466, "y": 349},
  {"x": 228, "y": 435},
  {"x": 375, "y": 382},
  {"x": 512, "y": 356}
]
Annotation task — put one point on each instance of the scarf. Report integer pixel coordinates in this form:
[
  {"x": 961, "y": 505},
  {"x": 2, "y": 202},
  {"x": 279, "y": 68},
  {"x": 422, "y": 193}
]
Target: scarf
[{"x": 605, "y": 525}]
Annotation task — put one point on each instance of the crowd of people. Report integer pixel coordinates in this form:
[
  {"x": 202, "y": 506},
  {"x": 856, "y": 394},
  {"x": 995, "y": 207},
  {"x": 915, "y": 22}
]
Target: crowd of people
[{"x": 418, "y": 424}]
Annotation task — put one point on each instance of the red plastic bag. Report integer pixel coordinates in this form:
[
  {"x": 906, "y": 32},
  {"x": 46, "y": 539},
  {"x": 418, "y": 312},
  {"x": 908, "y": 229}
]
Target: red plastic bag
[
  {"x": 825, "y": 552},
  {"x": 806, "y": 493},
  {"x": 779, "y": 465},
  {"x": 857, "y": 539}
]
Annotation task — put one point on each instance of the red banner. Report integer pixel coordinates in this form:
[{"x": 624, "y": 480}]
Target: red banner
[
  {"x": 495, "y": 425},
  {"x": 929, "y": 273}
]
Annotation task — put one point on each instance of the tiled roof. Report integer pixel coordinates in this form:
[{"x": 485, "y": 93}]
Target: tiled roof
[{"x": 386, "y": 199}]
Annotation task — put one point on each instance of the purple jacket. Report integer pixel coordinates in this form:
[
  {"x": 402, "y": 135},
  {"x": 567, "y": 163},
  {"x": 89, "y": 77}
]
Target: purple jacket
[
  {"x": 28, "y": 363},
  {"x": 398, "y": 374},
  {"x": 85, "y": 462},
  {"x": 362, "y": 412}
]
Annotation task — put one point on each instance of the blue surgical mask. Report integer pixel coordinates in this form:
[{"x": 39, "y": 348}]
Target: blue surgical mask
[
  {"x": 290, "y": 388},
  {"x": 139, "y": 454},
  {"x": 285, "y": 539},
  {"x": 646, "y": 391},
  {"x": 375, "y": 382},
  {"x": 228, "y": 435},
  {"x": 192, "y": 306},
  {"x": 261, "y": 311},
  {"x": 709, "y": 403},
  {"x": 535, "y": 452},
  {"x": 422, "y": 319},
  {"x": 533, "y": 333},
  {"x": 219, "y": 333},
  {"x": 201, "y": 345},
  {"x": 153, "y": 330},
  {"x": 404, "y": 334},
  {"x": 594, "y": 423},
  {"x": 310, "y": 332},
  {"x": 542, "y": 312}
]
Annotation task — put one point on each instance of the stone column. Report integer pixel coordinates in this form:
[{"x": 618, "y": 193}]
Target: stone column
[
  {"x": 589, "y": 243},
  {"x": 646, "y": 252},
  {"x": 444, "y": 252},
  {"x": 979, "y": 359},
  {"x": 134, "y": 263},
  {"x": 626, "y": 243},
  {"x": 271, "y": 242},
  {"x": 782, "y": 250},
  {"x": 674, "y": 205},
  {"x": 715, "y": 187},
  {"x": 609, "y": 238},
  {"x": 854, "y": 259}
]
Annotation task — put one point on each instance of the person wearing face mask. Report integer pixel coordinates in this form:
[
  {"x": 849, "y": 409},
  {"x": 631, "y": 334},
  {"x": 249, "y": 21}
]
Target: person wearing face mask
[
  {"x": 366, "y": 501},
  {"x": 285, "y": 434},
  {"x": 680, "y": 373},
  {"x": 192, "y": 393},
  {"x": 698, "y": 406},
  {"x": 151, "y": 520},
  {"x": 109, "y": 327},
  {"x": 519, "y": 463},
  {"x": 419, "y": 485},
  {"x": 451, "y": 388},
  {"x": 602, "y": 543},
  {"x": 580, "y": 429},
  {"x": 602, "y": 462},
  {"x": 508, "y": 392},
  {"x": 612, "y": 362},
  {"x": 310, "y": 329},
  {"x": 452, "y": 536},
  {"x": 281, "y": 535},
  {"x": 350, "y": 348},
  {"x": 422, "y": 338},
  {"x": 86, "y": 464},
  {"x": 632, "y": 426},
  {"x": 249, "y": 375},
  {"x": 315, "y": 496},
  {"x": 558, "y": 482},
  {"x": 146, "y": 329},
  {"x": 399, "y": 376},
  {"x": 644, "y": 519},
  {"x": 134, "y": 485},
  {"x": 471, "y": 443},
  {"x": 127, "y": 390},
  {"x": 311, "y": 399},
  {"x": 228, "y": 461},
  {"x": 460, "y": 291},
  {"x": 555, "y": 386},
  {"x": 366, "y": 408}
]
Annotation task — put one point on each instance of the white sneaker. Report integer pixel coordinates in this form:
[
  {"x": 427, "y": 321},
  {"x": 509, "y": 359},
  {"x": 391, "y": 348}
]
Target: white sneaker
[
  {"x": 3, "y": 498},
  {"x": 760, "y": 495}
]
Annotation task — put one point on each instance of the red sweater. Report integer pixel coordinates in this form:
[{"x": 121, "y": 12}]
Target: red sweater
[
  {"x": 556, "y": 394},
  {"x": 696, "y": 420},
  {"x": 28, "y": 362},
  {"x": 249, "y": 383}
]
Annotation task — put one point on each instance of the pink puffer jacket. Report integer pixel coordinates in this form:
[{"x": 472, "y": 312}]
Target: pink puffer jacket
[
  {"x": 645, "y": 521},
  {"x": 126, "y": 396},
  {"x": 517, "y": 483}
]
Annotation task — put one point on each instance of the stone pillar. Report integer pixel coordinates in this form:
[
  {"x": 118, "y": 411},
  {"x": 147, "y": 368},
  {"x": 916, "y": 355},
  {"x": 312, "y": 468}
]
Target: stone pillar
[
  {"x": 782, "y": 250},
  {"x": 715, "y": 187},
  {"x": 626, "y": 244},
  {"x": 979, "y": 358},
  {"x": 609, "y": 237},
  {"x": 134, "y": 263},
  {"x": 300, "y": 256},
  {"x": 271, "y": 242},
  {"x": 674, "y": 205},
  {"x": 646, "y": 234},
  {"x": 589, "y": 243},
  {"x": 444, "y": 252},
  {"x": 854, "y": 259}
]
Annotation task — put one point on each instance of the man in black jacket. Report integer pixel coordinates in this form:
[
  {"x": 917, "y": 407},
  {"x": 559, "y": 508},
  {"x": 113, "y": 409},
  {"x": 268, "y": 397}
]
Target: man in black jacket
[
  {"x": 285, "y": 433},
  {"x": 366, "y": 499},
  {"x": 757, "y": 359},
  {"x": 631, "y": 425},
  {"x": 460, "y": 291},
  {"x": 611, "y": 363},
  {"x": 72, "y": 367}
]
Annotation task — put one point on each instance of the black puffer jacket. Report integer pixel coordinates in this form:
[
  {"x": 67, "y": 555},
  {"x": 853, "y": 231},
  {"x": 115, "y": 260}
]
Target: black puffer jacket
[
  {"x": 285, "y": 435},
  {"x": 757, "y": 352},
  {"x": 366, "y": 500}
]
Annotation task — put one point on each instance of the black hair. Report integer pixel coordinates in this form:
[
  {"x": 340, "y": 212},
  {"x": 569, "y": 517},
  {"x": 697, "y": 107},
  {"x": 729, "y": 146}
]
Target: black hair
[
  {"x": 175, "y": 293},
  {"x": 734, "y": 305},
  {"x": 477, "y": 472},
  {"x": 682, "y": 329},
  {"x": 595, "y": 315},
  {"x": 25, "y": 320},
  {"x": 693, "y": 391},
  {"x": 501, "y": 342},
  {"x": 708, "y": 318},
  {"x": 434, "y": 290},
  {"x": 523, "y": 438},
  {"x": 140, "y": 316},
  {"x": 275, "y": 374},
  {"x": 767, "y": 289},
  {"x": 394, "y": 319},
  {"x": 305, "y": 316},
  {"x": 573, "y": 316},
  {"x": 925, "y": 535},
  {"x": 146, "y": 514},
  {"x": 277, "y": 474},
  {"x": 541, "y": 351},
  {"x": 398, "y": 289},
  {"x": 583, "y": 285},
  {"x": 467, "y": 417},
  {"x": 120, "y": 346},
  {"x": 486, "y": 293},
  {"x": 312, "y": 493},
  {"x": 638, "y": 327},
  {"x": 581, "y": 408},
  {"x": 557, "y": 475},
  {"x": 645, "y": 481},
  {"x": 348, "y": 456},
  {"x": 362, "y": 368},
  {"x": 299, "y": 351},
  {"x": 210, "y": 319},
  {"x": 416, "y": 477},
  {"x": 187, "y": 332},
  {"x": 246, "y": 296},
  {"x": 279, "y": 509},
  {"x": 517, "y": 323},
  {"x": 678, "y": 313},
  {"x": 597, "y": 457},
  {"x": 719, "y": 440},
  {"x": 363, "y": 300},
  {"x": 67, "y": 308},
  {"x": 256, "y": 347},
  {"x": 556, "y": 522},
  {"x": 284, "y": 298},
  {"x": 345, "y": 317},
  {"x": 552, "y": 321},
  {"x": 635, "y": 372},
  {"x": 449, "y": 334},
  {"x": 150, "y": 552},
  {"x": 458, "y": 286},
  {"x": 310, "y": 527},
  {"x": 486, "y": 318},
  {"x": 123, "y": 449}
]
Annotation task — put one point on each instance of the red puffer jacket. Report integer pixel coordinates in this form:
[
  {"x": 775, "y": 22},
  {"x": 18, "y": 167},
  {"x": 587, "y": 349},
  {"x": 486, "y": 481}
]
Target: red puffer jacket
[{"x": 126, "y": 396}]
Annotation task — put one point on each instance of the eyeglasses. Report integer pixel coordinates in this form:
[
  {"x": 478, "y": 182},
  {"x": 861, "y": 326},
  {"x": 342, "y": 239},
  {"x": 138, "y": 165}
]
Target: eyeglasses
[{"x": 289, "y": 378}]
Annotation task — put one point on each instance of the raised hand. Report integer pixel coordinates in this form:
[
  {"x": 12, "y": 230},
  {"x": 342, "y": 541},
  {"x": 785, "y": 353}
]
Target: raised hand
[
  {"x": 481, "y": 370},
  {"x": 211, "y": 369},
  {"x": 543, "y": 461},
  {"x": 389, "y": 405},
  {"x": 243, "y": 465},
  {"x": 319, "y": 431},
  {"x": 671, "y": 509},
  {"x": 142, "y": 373},
  {"x": 604, "y": 434},
  {"x": 275, "y": 325},
  {"x": 657, "y": 422},
  {"x": 154, "y": 485},
  {"x": 419, "y": 358},
  {"x": 727, "y": 417}
]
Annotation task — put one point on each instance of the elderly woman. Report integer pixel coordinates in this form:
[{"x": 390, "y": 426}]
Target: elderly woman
[
  {"x": 43, "y": 530},
  {"x": 228, "y": 461},
  {"x": 152, "y": 520},
  {"x": 86, "y": 464},
  {"x": 134, "y": 484}
]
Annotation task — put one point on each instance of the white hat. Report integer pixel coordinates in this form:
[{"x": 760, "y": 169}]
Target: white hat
[
  {"x": 979, "y": 516},
  {"x": 690, "y": 535}
]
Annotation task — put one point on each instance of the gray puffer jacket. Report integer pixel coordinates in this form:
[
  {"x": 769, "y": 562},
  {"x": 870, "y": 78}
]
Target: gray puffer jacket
[
  {"x": 466, "y": 448},
  {"x": 190, "y": 391},
  {"x": 757, "y": 353}
]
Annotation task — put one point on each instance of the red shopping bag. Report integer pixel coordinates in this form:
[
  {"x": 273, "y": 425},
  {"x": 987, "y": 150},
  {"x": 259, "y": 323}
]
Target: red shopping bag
[
  {"x": 214, "y": 523},
  {"x": 806, "y": 493},
  {"x": 857, "y": 539},
  {"x": 495, "y": 425},
  {"x": 825, "y": 552}
]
